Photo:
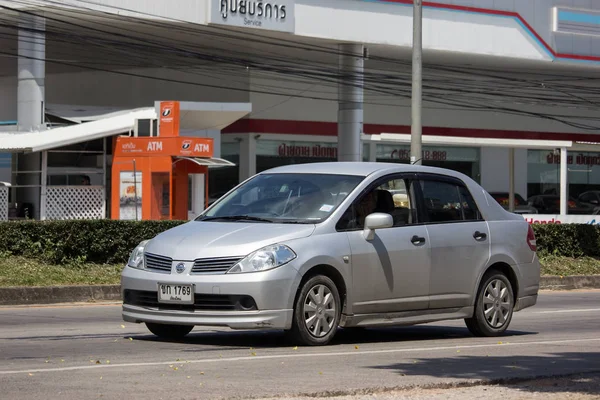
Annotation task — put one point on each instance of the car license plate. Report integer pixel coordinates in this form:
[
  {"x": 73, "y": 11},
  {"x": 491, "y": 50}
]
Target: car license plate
[{"x": 175, "y": 293}]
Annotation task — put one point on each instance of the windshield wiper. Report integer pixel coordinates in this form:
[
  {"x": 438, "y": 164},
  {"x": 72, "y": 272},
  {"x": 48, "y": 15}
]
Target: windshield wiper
[
  {"x": 237, "y": 218},
  {"x": 294, "y": 221}
]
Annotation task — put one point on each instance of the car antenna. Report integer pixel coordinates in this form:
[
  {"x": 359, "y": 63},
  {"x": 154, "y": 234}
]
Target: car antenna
[{"x": 416, "y": 161}]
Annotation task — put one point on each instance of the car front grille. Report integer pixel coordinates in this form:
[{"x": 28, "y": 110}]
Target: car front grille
[
  {"x": 214, "y": 265},
  {"x": 158, "y": 263},
  {"x": 202, "y": 302}
]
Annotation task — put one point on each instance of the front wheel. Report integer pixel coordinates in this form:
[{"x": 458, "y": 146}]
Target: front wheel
[
  {"x": 316, "y": 312},
  {"x": 493, "y": 307},
  {"x": 165, "y": 331}
]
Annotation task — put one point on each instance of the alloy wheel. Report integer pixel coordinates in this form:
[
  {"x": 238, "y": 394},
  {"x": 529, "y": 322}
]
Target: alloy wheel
[
  {"x": 319, "y": 311},
  {"x": 497, "y": 303}
]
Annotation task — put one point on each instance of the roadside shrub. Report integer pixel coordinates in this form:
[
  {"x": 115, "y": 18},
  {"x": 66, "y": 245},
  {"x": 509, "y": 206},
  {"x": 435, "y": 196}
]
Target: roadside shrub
[
  {"x": 110, "y": 241},
  {"x": 568, "y": 240},
  {"x": 76, "y": 242}
]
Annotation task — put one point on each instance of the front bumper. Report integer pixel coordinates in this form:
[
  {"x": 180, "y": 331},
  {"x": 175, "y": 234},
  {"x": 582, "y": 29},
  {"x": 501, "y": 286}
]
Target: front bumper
[
  {"x": 268, "y": 319},
  {"x": 272, "y": 292}
]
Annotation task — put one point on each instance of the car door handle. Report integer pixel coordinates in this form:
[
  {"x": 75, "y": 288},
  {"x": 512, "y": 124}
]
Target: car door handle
[
  {"x": 480, "y": 236},
  {"x": 417, "y": 240}
]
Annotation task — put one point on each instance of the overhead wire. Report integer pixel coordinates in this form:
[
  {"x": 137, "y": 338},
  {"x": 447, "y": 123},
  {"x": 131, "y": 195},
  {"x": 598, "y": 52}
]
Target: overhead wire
[{"x": 459, "y": 93}]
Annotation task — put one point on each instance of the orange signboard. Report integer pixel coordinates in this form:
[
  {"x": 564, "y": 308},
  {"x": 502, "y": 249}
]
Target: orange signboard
[
  {"x": 169, "y": 119},
  {"x": 163, "y": 146}
]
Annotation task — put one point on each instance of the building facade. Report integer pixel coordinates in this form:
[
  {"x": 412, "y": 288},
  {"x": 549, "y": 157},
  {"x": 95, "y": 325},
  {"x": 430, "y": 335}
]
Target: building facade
[{"x": 321, "y": 77}]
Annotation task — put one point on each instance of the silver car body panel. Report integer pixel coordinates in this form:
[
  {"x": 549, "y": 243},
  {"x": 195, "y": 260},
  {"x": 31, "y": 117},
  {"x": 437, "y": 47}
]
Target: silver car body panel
[{"x": 387, "y": 281}]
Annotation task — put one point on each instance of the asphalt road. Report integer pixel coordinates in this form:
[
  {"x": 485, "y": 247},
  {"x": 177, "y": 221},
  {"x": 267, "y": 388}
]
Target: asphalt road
[{"x": 86, "y": 351}]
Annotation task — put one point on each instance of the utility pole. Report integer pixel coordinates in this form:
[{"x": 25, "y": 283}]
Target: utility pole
[{"x": 417, "y": 50}]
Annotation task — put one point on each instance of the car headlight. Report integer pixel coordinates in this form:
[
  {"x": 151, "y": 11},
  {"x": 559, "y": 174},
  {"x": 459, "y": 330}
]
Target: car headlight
[
  {"x": 264, "y": 259},
  {"x": 136, "y": 259}
]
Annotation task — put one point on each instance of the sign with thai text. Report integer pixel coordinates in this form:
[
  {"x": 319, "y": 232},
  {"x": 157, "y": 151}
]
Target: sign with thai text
[
  {"x": 274, "y": 15},
  {"x": 296, "y": 149}
]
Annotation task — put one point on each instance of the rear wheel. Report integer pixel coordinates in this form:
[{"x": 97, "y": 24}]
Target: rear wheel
[
  {"x": 166, "y": 331},
  {"x": 316, "y": 312},
  {"x": 493, "y": 306}
]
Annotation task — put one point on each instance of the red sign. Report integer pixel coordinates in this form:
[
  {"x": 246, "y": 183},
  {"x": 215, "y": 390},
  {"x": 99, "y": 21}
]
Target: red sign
[
  {"x": 169, "y": 119},
  {"x": 315, "y": 151},
  {"x": 164, "y": 146},
  {"x": 580, "y": 159}
]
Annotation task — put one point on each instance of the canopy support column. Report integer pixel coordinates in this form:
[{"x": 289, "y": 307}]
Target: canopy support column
[
  {"x": 511, "y": 179},
  {"x": 563, "y": 181}
]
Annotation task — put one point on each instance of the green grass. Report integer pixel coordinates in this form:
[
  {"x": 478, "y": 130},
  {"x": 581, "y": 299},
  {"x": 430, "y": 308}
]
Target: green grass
[
  {"x": 566, "y": 266},
  {"x": 20, "y": 271}
]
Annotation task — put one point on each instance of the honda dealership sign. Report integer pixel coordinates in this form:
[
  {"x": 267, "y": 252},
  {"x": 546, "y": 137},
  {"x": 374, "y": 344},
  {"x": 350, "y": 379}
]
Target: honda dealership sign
[
  {"x": 562, "y": 219},
  {"x": 274, "y": 15}
]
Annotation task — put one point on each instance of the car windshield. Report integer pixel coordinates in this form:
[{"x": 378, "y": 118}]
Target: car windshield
[{"x": 284, "y": 198}]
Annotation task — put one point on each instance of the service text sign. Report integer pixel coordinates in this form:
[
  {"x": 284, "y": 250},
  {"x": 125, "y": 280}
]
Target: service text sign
[{"x": 273, "y": 15}]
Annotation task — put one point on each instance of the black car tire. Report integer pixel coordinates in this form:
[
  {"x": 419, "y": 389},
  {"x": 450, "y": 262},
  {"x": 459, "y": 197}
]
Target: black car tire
[
  {"x": 301, "y": 332},
  {"x": 167, "y": 331},
  {"x": 488, "y": 306}
]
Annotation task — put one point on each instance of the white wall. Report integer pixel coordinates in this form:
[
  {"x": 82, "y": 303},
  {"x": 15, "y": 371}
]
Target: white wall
[
  {"x": 185, "y": 10},
  {"x": 118, "y": 90},
  {"x": 391, "y": 24},
  {"x": 494, "y": 170},
  {"x": 8, "y": 98},
  {"x": 397, "y": 112}
]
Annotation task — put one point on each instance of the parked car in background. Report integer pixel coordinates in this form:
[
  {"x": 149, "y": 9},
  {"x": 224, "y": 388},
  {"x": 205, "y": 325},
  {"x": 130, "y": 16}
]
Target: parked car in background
[
  {"x": 591, "y": 199},
  {"x": 521, "y": 205},
  {"x": 550, "y": 204},
  {"x": 307, "y": 248}
]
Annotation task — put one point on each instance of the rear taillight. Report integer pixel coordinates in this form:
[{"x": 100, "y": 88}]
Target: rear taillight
[{"x": 531, "y": 239}]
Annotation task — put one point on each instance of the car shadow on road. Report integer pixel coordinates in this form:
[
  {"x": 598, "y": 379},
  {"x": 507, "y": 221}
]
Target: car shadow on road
[
  {"x": 511, "y": 370},
  {"x": 275, "y": 339}
]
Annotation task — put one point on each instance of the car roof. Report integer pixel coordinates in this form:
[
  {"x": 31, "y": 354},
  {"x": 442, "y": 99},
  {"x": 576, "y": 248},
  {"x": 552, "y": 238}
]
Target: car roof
[
  {"x": 489, "y": 207},
  {"x": 358, "y": 168}
]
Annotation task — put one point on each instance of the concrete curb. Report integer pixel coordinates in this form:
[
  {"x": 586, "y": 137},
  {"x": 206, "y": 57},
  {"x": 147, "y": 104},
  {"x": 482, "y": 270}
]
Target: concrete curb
[
  {"x": 58, "y": 294},
  {"x": 570, "y": 282},
  {"x": 74, "y": 294}
]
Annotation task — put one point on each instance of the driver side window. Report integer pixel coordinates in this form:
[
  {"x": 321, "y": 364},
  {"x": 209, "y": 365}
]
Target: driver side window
[{"x": 393, "y": 196}]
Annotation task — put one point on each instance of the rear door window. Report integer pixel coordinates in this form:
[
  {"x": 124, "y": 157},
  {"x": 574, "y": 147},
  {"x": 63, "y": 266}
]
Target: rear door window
[{"x": 446, "y": 201}]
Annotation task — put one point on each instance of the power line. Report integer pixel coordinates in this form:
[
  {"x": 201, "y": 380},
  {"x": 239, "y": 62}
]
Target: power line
[{"x": 461, "y": 89}]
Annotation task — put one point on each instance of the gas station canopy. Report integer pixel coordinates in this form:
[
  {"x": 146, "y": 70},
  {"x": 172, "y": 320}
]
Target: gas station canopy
[{"x": 97, "y": 123}]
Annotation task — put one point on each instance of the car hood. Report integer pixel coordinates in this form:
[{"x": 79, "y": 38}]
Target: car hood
[{"x": 198, "y": 239}]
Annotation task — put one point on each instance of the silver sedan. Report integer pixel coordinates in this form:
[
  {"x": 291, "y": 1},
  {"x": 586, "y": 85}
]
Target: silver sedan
[{"x": 312, "y": 247}]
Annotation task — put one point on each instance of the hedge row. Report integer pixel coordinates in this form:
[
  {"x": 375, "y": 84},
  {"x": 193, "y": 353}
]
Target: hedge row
[
  {"x": 67, "y": 242},
  {"x": 568, "y": 240},
  {"x": 110, "y": 242}
]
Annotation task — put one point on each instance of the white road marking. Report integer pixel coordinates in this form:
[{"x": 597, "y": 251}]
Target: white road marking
[
  {"x": 303, "y": 355},
  {"x": 568, "y": 311}
]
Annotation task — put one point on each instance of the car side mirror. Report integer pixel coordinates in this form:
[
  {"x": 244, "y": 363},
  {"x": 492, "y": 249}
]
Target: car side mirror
[{"x": 377, "y": 221}]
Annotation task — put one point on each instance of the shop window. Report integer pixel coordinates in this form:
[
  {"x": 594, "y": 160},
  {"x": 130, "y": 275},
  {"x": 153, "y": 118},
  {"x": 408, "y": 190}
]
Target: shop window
[
  {"x": 465, "y": 160},
  {"x": 74, "y": 179},
  {"x": 543, "y": 180},
  {"x": 272, "y": 153}
]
